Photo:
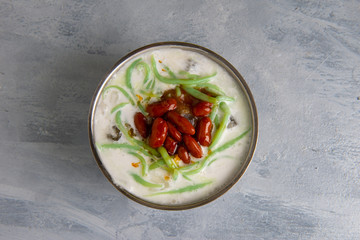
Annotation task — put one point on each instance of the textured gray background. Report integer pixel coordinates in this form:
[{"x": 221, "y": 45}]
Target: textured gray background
[{"x": 300, "y": 58}]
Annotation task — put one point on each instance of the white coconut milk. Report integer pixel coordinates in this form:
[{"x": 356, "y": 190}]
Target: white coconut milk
[{"x": 119, "y": 163}]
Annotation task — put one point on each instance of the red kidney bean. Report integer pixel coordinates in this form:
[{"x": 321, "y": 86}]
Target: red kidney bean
[
  {"x": 203, "y": 131},
  {"x": 202, "y": 109},
  {"x": 183, "y": 154},
  {"x": 182, "y": 124},
  {"x": 140, "y": 124},
  {"x": 158, "y": 133},
  {"x": 173, "y": 132},
  {"x": 170, "y": 145},
  {"x": 158, "y": 109},
  {"x": 193, "y": 147}
]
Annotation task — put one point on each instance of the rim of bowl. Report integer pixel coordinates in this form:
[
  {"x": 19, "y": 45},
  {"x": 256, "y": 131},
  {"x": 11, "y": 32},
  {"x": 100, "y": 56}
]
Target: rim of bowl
[{"x": 219, "y": 60}]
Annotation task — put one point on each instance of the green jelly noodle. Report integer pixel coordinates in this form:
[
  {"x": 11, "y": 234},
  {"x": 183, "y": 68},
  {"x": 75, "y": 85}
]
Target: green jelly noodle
[{"x": 163, "y": 178}]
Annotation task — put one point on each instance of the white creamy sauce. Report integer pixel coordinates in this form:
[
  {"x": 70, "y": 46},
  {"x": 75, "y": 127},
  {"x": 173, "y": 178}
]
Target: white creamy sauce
[{"x": 118, "y": 162}]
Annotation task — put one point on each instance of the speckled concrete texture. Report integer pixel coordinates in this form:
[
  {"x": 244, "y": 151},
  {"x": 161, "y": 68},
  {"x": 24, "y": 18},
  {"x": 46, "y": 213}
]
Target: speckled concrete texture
[{"x": 301, "y": 60}]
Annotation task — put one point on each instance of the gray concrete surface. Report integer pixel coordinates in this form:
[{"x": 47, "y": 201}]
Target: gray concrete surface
[{"x": 300, "y": 58}]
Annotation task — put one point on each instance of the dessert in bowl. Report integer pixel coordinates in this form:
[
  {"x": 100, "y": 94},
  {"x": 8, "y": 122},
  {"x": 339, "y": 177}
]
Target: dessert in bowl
[{"x": 173, "y": 125}]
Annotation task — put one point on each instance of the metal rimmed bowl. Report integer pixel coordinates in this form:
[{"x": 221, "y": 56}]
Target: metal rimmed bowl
[{"x": 229, "y": 69}]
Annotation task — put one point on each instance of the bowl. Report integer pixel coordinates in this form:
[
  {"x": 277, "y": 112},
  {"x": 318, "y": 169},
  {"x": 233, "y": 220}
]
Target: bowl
[{"x": 247, "y": 96}]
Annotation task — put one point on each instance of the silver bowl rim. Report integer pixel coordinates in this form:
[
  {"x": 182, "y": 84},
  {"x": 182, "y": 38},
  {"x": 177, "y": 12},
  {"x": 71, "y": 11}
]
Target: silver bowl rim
[{"x": 231, "y": 70}]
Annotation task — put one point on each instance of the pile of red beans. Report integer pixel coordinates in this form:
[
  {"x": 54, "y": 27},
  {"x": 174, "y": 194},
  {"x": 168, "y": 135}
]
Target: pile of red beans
[{"x": 174, "y": 131}]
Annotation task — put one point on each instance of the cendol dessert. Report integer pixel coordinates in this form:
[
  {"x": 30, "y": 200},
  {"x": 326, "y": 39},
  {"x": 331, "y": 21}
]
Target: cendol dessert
[{"x": 171, "y": 126}]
